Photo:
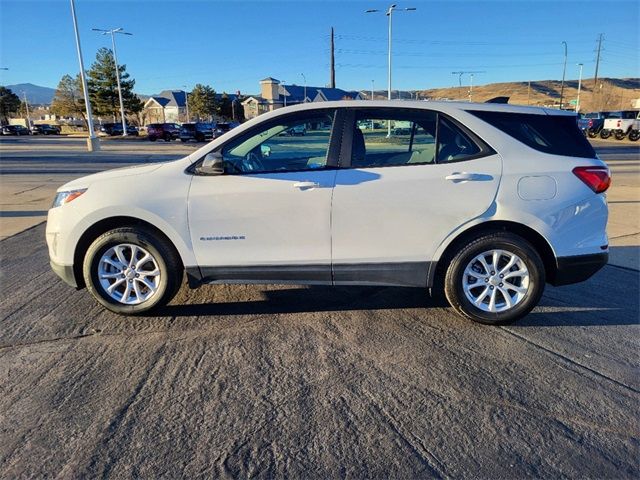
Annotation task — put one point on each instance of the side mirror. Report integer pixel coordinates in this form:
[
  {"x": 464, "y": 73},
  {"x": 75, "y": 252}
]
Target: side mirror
[
  {"x": 213, "y": 164},
  {"x": 265, "y": 150}
]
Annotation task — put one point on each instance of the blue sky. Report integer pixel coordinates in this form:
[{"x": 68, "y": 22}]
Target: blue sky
[{"x": 231, "y": 45}]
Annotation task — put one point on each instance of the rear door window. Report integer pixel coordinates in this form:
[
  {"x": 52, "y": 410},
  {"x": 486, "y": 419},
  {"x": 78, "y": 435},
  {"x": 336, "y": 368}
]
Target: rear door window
[{"x": 553, "y": 134}]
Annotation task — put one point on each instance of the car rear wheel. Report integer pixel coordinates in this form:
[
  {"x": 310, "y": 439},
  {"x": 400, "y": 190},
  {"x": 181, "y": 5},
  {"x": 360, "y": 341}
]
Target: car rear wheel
[
  {"x": 605, "y": 133},
  {"x": 152, "y": 138},
  {"x": 634, "y": 135},
  {"x": 131, "y": 270},
  {"x": 592, "y": 133},
  {"x": 496, "y": 279},
  {"x": 620, "y": 135}
]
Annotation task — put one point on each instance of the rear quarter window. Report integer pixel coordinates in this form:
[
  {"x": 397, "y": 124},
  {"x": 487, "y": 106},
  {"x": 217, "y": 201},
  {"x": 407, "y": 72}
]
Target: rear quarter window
[{"x": 553, "y": 134}]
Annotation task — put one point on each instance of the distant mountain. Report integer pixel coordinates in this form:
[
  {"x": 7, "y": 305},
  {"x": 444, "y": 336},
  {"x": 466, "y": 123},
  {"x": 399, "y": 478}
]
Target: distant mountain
[{"x": 35, "y": 94}]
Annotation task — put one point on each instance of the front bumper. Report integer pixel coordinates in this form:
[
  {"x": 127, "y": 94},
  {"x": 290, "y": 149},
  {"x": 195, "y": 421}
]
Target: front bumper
[
  {"x": 65, "y": 272},
  {"x": 578, "y": 268}
]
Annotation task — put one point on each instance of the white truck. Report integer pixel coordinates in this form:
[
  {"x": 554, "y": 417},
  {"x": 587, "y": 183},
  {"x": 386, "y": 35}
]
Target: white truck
[{"x": 620, "y": 124}]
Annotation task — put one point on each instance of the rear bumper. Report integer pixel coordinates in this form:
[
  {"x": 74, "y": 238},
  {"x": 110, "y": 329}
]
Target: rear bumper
[
  {"x": 65, "y": 272},
  {"x": 578, "y": 268}
]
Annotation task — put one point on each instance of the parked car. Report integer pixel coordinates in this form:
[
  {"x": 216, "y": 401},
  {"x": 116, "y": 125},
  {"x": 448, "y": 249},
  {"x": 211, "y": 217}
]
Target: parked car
[
  {"x": 220, "y": 129},
  {"x": 297, "y": 131},
  {"x": 198, "y": 132},
  {"x": 634, "y": 134},
  {"x": 114, "y": 129},
  {"x": 164, "y": 131},
  {"x": 15, "y": 130},
  {"x": 45, "y": 129},
  {"x": 591, "y": 123},
  {"x": 485, "y": 201},
  {"x": 619, "y": 124}
]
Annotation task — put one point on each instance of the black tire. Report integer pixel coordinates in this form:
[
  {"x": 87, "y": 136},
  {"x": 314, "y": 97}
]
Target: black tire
[
  {"x": 605, "y": 133},
  {"x": 163, "y": 252},
  {"x": 620, "y": 135},
  {"x": 634, "y": 135},
  {"x": 167, "y": 138},
  {"x": 514, "y": 244},
  {"x": 152, "y": 138},
  {"x": 592, "y": 133},
  {"x": 183, "y": 140}
]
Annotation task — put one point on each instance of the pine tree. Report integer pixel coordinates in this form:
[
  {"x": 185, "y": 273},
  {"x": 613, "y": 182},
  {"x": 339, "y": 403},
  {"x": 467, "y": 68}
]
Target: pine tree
[
  {"x": 224, "y": 109},
  {"x": 9, "y": 103},
  {"x": 202, "y": 102},
  {"x": 103, "y": 87},
  {"x": 68, "y": 100}
]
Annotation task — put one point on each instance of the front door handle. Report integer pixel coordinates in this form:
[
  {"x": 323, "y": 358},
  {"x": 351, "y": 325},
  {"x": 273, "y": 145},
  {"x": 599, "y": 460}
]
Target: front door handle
[
  {"x": 464, "y": 177},
  {"x": 306, "y": 185}
]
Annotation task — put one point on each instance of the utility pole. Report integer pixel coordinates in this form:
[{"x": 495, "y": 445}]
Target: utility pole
[
  {"x": 470, "y": 86},
  {"x": 528, "y": 92},
  {"x": 332, "y": 73},
  {"x": 389, "y": 14},
  {"x": 93, "y": 143},
  {"x": 372, "y": 85},
  {"x": 579, "y": 87},
  {"x": 115, "y": 60},
  {"x": 564, "y": 70},
  {"x": 595, "y": 78}
]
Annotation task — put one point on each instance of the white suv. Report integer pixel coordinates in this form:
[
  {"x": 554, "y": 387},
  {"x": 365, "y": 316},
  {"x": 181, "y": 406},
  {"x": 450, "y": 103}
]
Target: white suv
[{"x": 486, "y": 202}]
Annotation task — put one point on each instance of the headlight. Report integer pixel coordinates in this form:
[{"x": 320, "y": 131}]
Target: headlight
[{"x": 66, "y": 197}]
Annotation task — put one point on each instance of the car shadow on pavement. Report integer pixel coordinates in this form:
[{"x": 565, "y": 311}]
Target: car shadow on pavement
[
  {"x": 562, "y": 306},
  {"x": 310, "y": 299}
]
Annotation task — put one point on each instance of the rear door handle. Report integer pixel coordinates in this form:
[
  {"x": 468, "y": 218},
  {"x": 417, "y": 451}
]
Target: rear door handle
[
  {"x": 463, "y": 177},
  {"x": 306, "y": 185}
]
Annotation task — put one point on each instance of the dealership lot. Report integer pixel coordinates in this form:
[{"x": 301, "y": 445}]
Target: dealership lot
[{"x": 315, "y": 382}]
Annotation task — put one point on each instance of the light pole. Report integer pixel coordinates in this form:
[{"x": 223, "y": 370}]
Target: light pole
[
  {"x": 579, "y": 87},
  {"x": 26, "y": 106},
  {"x": 389, "y": 14},
  {"x": 284, "y": 93},
  {"x": 470, "y": 86},
  {"x": 186, "y": 101},
  {"x": 112, "y": 32},
  {"x": 305, "y": 87},
  {"x": 564, "y": 69},
  {"x": 372, "y": 85},
  {"x": 92, "y": 142}
]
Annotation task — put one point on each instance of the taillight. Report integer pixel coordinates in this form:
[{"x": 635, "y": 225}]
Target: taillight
[
  {"x": 619, "y": 123},
  {"x": 596, "y": 178},
  {"x": 590, "y": 123}
]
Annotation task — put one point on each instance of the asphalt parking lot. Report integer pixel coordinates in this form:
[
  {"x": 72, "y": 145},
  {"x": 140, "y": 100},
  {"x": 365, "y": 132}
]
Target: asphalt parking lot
[{"x": 313, "y": 382}]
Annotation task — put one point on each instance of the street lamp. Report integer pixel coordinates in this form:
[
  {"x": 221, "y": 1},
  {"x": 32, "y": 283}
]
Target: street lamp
[
  {"x": 115, "y": 60},
  {"x": 26, "y": 106},
  {"x": 564, "y": 69},
  {"x": 389, "y": 14},
  {"x": 92, "y": 142},
  {"x": 579, "y": 86},
  {"x": 372, "y": 85},
  {"x": 284, "y": 93},
  {"x": 305, "y": 87},
  {"x": 186, "y": 101}
]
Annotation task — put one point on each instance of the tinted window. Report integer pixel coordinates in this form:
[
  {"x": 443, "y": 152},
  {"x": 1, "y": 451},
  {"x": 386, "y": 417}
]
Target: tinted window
[
  {"x": 554, "y": 134},
  {"x": 453, "y": 144},
  {"x": 385, "y": 138},
  {"x": 274, "y": 148}
]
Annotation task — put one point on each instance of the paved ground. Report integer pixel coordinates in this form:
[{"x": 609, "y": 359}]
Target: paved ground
[{"x": 238, "y": 381}]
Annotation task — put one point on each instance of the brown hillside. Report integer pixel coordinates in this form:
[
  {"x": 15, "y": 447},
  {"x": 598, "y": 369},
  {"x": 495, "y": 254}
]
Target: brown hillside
[{"x": 611, "y": 94}]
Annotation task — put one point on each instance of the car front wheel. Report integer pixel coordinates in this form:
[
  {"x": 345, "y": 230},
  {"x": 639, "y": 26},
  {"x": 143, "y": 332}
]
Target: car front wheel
[
  {"x": 498, "y": 278},
  {"x": 131, "y": 270}
]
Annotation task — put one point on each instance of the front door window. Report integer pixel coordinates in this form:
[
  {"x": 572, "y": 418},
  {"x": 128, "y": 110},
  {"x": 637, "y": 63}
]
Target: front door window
[{"x": 286, "y": 145}]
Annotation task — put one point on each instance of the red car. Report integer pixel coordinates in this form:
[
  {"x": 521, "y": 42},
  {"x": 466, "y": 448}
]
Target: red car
[{"x": 164, "y": 131}]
